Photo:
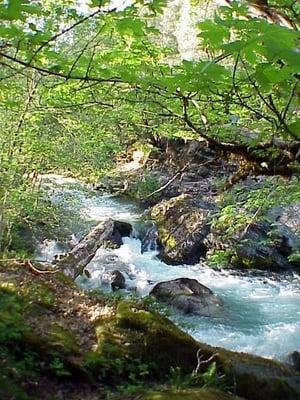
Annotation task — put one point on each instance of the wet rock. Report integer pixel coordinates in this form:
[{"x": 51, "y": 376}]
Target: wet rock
[
  {"x": 269, "y": 245},
  {"x": 183, "y": 224},
  {"x": 149, "y": 238},
  {"x": 114, "y": 271},
  {"x": 294, "y": 359},
  {"x": 188, "y": 296},
  {"x": 121, "y": 229},
  {"x": 257, "y": 250},
  {"x": 286, "y": 229},
  {"x": 117, "y": 280}
]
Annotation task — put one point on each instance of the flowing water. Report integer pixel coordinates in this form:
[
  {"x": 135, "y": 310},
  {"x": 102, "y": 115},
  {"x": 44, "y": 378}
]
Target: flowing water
[{"x": 260, "y": 314}]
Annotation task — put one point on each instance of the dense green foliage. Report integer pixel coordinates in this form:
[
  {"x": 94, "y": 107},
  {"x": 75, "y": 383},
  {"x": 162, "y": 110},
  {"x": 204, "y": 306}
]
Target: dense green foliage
[{"x": 80, "y": 84}]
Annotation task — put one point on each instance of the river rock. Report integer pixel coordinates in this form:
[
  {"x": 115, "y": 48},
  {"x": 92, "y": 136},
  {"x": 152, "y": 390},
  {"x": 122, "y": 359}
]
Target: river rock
[
  {"x": 266, "y": 244},
  {"x": 121, "y": 229},
  {"x": 114, "y": 271},
  {"x": 258, "y": 251},
  {"x": 188, "y": 296},
  {"x": 117, "y": 280},
  {"x": 294, "y": 360},
  {"x": 269, "y": 244},
  {"x": 183, "y": 224}
]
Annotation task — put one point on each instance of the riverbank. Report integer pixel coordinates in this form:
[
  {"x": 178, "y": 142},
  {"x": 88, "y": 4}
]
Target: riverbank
[{"x": 61, "y": 342}]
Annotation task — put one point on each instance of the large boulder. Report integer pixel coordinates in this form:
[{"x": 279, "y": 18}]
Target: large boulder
[
  {"x": 258, "y": 250},
  {"x": 183, "y": 224},
  {"x": 188, "y": 296},
  {"x": 270, "y": 244}
]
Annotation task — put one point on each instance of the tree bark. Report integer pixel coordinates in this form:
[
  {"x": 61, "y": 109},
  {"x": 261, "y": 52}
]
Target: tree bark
[{"x": 74, "y": 262}]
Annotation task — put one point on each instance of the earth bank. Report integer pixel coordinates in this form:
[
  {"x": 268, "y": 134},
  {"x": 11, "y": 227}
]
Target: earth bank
[{"x": 76, "y": 337}]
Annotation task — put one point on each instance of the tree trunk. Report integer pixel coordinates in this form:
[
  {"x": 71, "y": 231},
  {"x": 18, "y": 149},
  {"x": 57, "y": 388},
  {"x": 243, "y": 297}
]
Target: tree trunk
[{"x": 77, "y": 259}]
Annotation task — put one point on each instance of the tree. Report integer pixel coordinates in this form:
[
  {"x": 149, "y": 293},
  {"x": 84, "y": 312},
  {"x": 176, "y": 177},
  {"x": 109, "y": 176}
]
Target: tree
[{"x": 76, "y": 86}]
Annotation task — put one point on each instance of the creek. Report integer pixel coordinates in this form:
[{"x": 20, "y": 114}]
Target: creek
[{"x": 261, "y": 311}]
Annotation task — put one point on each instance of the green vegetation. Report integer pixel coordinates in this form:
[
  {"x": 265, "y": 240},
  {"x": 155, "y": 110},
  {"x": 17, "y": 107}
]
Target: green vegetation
[
  {"x": 70, "y": 101},
  {"x": 78, "y": 87}
]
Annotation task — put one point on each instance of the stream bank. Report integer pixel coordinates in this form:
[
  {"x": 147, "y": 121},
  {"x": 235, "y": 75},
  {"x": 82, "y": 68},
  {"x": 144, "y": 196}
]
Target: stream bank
[{"x": 116, "y": 347}]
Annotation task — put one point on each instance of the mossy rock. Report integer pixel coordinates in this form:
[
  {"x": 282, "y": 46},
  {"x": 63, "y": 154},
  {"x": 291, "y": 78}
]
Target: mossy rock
[
  {"x": 183, "y": 224},
  {"x": 195, "y": 394},
  {"x": 136, "y": 333}
]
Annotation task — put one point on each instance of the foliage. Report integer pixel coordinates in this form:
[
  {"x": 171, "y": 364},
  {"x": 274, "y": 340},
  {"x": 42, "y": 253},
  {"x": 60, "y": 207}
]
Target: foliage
[
  {"x": 16, "y": 364},
  {"x": 143, "y": 187},
  {"x": 78, "y": 85},
  {"x": 242, "y": 206},
  {"x": 210, "y": 378},
  {"x": 220, "y": 258}
]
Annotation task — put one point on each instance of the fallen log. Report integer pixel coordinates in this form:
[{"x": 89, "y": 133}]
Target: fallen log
[{"x": 109, "y": 231}]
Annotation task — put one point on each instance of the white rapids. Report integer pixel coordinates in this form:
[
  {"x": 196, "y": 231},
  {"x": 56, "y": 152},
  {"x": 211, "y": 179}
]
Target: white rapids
[{"x": 261, "y": 314}]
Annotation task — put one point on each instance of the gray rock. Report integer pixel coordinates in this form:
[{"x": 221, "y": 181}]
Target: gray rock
[
  {"x": 294, "y": 360},
  {"x": 117, "y": 280},
  {"x": 268, "y": 245},
  {"x": 183, "y": 224},
  {"x": 258, "y": 250},
  {"x": 188, "y": 296}
]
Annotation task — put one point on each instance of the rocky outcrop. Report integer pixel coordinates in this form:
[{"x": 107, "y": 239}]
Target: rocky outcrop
[
  {"x": 106, "y": 234},
  {"x": 183, "y": 224},
  {"x": 258, "y": 250},
  {"x": 270, "y": 245},
  {"x": 188, "y": 296}
]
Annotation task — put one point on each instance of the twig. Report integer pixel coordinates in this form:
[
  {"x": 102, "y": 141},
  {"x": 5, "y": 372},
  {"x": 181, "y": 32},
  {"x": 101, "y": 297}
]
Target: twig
[
  {"x": 169, "y": 181},
  {"x": 28, "y": 264},
  {"x": 60, "y": 74},
  {"x": 201, "y": 362}
]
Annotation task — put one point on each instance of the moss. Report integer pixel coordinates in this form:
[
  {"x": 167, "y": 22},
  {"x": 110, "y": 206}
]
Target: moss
[
  {"x": 59, "y": 337},
  {"x": 182, "y": 224},
  {"x": 198, "y": 394},
  {"x": 39, "y": 293},
  {"x": 138, "y": 333}
]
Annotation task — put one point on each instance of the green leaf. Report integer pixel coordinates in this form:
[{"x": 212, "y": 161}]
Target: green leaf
[
  {"x": 130, "y": 27},
  {"x": 213, "y": 34},
  {"x": 295, "y": 128},
  {"x": 11, "y": 31}
]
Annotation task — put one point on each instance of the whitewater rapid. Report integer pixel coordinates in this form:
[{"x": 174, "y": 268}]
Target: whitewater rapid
[{"x": 261, "y": 313}]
